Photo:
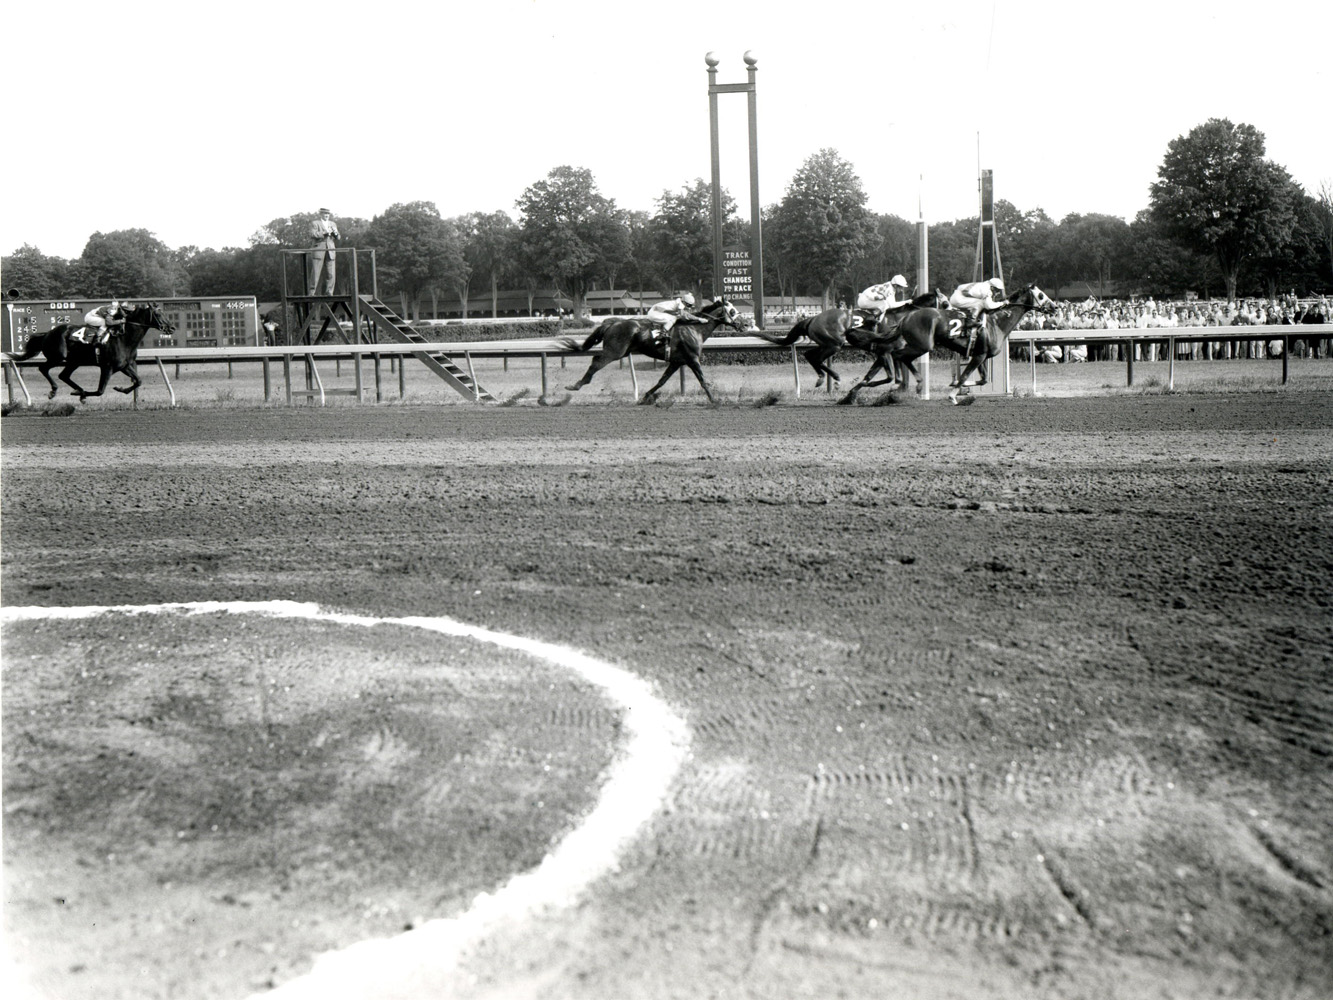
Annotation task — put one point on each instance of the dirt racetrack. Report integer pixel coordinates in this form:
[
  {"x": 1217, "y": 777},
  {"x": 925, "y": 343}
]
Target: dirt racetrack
[{"x": 1026, "y": 699}]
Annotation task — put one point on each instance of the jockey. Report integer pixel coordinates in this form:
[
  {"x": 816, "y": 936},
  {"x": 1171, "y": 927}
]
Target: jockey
[
  {"x": 672, "y": 311},
  {"x": 98, "y": 323},
  {"x": 879, "y": 300},
  {"x": 978, "y": 297}
]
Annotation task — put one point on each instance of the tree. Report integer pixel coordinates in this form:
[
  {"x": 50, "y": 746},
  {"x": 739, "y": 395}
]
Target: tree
[
  {"x": 419, "y": 250},
  {"x": 1218, "y": 194},
  {"x": 570, "y": 233},
  {"x": 682, "y": 235},
  {"x": 32, "y": 275},
  {"x": 953, "y": 253},
  {"x": 488, "y": 240},
  {"x": 1095, "y": 246},
  {"x": 1159, "y": 265},
  {"x": 640, "y": 272},
  {"x": 1324, "y": 221},
  {"x": 894, "y": 253},
  {"x": 824, "y": 225},
  {"x": 128, "y": 263},
  {"x": 1027, "y": 243},
  {"x": 1300, "y": 262}
]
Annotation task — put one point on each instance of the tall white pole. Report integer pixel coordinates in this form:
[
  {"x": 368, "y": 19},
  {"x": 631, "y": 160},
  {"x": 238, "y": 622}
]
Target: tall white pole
[{"x": 922, "y": 275}]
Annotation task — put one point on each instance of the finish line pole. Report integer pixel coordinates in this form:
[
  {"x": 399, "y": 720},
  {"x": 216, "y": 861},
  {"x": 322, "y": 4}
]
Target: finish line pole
[
  {"x": 756, "y": 289},
  {"x": 923, "y": 281}
]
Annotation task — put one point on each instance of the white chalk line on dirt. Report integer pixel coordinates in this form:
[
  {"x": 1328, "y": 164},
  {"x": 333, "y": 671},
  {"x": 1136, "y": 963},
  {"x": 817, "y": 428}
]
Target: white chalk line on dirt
[{"x": 644, "y": 768}]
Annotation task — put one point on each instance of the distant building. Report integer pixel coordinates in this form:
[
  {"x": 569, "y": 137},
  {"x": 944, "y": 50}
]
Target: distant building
[
  {"x": 621, "y": 302},
  {"x": 783, "y": 310},
  {"x": 507, "y": 303}
]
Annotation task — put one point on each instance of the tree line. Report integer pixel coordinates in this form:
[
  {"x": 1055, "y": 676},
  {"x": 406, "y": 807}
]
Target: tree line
[{"x": 1221, "y": 220}]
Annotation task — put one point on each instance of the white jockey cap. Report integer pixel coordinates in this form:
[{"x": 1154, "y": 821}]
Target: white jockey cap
[
  {"x": 687, "y": 298},
  {"x": 997, "y": 283},
  {"x": 898, "y": 280},
  {"x": 115, "y": 304}
]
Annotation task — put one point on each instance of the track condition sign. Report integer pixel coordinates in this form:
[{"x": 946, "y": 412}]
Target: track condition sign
[{"x": 737, "y": 273}]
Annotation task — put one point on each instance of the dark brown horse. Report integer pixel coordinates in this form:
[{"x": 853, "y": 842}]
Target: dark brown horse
[
  {"x": 923, "y": 330},
  {"x": 834, "y": 329},
  {"x": 682, "y": 347},
  {"x": 119, "y": 354}
]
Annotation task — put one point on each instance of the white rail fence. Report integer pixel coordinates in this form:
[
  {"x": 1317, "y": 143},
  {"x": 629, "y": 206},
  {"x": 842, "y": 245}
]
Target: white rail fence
[{"x": 300, "y": 375}]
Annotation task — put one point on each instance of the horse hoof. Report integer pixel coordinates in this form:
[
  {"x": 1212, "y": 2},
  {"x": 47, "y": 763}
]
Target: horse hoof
[{"x": 573, "y": 388}]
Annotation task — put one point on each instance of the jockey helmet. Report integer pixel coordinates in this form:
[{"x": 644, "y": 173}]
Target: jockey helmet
[
  {"x": 997, "y": 284},
  {"x": 898, "y": 280},
  {"x": 687, "y": 298}
]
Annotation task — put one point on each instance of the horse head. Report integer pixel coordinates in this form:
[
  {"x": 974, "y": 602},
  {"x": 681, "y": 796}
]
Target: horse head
[
  {"x": 1034, "y": 298},
  {"x": 148, "y": 315},
  {"x": 724, "y": 313},
  {"x": 931, "y": 300}
]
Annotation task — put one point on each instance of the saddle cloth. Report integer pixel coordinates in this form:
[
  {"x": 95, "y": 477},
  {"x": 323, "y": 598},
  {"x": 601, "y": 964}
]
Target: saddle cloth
[{"x": 89, "y": 335}]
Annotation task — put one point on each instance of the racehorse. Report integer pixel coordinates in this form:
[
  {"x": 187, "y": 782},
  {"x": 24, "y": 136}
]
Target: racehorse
[
  {"x": 925, "y": 329},
  {"x": 683, "y": 347},
  {"x": 119, "y": 354},
  {"x": 834, "y": 329}
]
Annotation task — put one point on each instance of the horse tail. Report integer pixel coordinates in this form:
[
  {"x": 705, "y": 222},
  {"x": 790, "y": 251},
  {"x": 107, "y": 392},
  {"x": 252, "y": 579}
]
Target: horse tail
[
  {"x": 30, "y": 350},
  {"x": 797, "y": 331},
  {"x": 596, "y": 336}
]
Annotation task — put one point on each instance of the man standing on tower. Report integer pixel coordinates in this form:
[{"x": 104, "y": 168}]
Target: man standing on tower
[{"x": 323, "y": 243}]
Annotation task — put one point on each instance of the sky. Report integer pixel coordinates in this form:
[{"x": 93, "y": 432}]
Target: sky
[{"x": 203, "y": 122}]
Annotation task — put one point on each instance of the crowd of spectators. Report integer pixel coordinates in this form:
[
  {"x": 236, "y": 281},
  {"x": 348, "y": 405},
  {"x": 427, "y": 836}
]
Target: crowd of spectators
[{"x": 1149, "y": 314}]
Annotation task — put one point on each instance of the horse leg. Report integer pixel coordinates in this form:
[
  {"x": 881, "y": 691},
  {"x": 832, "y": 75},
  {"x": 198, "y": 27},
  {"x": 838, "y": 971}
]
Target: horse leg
[
  {"x": 911, "y": 370},
  {"x": 79, "y": 390},
  {"x": 973, "y": 364},
  {"x": 865, "y": 382},
  {"x": 829, "y": 354},
  {"x": 598, "y": 363},
  {"x": 132, "y": 370},
  {"x": 650, "y": 396},
  {"x": 816, "y": 357},
  {"x": 699, "y": 374},
  {"x": 45, "y": 369}
]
